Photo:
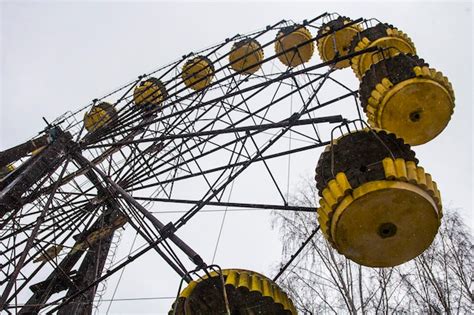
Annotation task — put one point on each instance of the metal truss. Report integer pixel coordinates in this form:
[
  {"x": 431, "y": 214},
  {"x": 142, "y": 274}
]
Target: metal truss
[{"x": 61, "y": 208}]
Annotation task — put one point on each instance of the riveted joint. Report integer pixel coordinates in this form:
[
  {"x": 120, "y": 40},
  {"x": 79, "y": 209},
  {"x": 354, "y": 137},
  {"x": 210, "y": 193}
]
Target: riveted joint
[{"x": 168, "y": 230}]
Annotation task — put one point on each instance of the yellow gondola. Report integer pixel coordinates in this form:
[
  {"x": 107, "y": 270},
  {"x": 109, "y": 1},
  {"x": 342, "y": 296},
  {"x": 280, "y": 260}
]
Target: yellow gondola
[
  {"x": 404, "y": 96},
  {"x": 247, "y": 293},
  {"x": 99, "y": 116},
  {"x": 377, "y": 206},
  {"x": 339, "y": 42},
  {"x": 288, "y": 38},
  {"x": 198, "y": 73},
  {"x": 149, "y": 94},
  {"x": 244, "y": 55},
  {"x": 382, "y": 35}
]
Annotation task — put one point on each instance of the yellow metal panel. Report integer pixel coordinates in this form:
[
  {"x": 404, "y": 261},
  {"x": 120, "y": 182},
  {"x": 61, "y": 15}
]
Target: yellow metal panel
[
  {"x": 244, "y": 280},
  {"x": 256, "y": 283},
  {"x": 329, "y": 197},
  {"x": 401, "y": 169},
  {"x": 420, "y": 173},
  {"x": 267, "y": 289},
  {"x": 277, "y": 298},
  {"x": 429, "y": 183},
  {"x": 232, "y": 278},
  {"x": 389, "y": 168},
  {"x": 411, "y": 172},
  {"x": 343, "y": 183},
  {"x": 336, "y": 191}
]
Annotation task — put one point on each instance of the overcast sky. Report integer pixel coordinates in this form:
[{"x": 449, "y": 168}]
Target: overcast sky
[{"x": 58, "y": 56}]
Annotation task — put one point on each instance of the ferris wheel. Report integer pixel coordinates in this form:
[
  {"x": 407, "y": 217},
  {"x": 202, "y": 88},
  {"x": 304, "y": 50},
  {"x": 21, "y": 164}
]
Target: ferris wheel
[{"x": 205, "y": 131}]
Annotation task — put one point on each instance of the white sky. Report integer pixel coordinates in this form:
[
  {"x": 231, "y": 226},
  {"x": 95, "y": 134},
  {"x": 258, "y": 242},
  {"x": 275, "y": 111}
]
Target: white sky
[{"x": 58, "y": 56}]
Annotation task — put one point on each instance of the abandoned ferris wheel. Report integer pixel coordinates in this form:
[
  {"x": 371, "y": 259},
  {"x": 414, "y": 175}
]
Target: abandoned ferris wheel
[{"x": 203, "y": 121}]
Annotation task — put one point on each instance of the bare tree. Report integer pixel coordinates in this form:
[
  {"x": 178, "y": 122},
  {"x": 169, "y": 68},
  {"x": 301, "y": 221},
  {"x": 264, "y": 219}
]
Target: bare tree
[
  {"x": 321, "y": 281},
  {"x": 440, "y": 280}
]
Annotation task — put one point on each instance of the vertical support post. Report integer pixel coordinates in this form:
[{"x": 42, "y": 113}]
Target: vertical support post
[
  {"x": 29, "y": 243},
  {"x": 90, "y": 269}
]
